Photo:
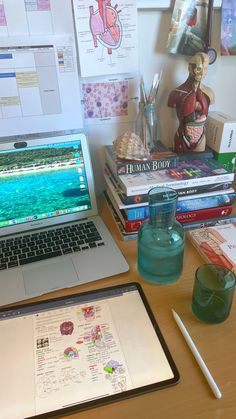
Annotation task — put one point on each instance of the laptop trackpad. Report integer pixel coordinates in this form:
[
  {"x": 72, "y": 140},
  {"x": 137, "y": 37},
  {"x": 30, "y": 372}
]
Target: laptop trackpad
[{"x": 49, "y": 277}]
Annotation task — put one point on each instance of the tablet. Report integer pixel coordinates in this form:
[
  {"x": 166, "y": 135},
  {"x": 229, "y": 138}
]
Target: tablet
[{"x": 67, "y": 354}]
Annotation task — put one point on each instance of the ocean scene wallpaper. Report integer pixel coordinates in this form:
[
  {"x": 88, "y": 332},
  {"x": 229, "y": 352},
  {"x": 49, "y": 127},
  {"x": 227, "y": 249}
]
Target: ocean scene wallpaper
[{"x": 42, "y": 182}]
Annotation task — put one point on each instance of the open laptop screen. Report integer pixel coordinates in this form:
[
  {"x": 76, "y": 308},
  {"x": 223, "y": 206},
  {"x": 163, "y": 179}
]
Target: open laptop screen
[
  {"x": 48, "y": 181},
  {"x": 81, "y": 351},
  {"x": 42, "y": 181}
]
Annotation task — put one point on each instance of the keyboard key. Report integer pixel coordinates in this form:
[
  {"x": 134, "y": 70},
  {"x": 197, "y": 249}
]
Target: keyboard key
[
  {"x": 47, "y": 250},
  {"x": 76, "y": 249},
  {"x": 40, "y": 257},
  {"x": 8, "y": 254},
  {"x": 56, "y": 248},
  {"x": 40, "y": 252},
  {"x": 92, "y": 235},
  {"x": 12, "y": 264},
  {"x": 17, "y": 252},
  {"x": 92, "y": 239},
  {"x": 29, "y": 254},
  {"x": 66, "y": 251}
]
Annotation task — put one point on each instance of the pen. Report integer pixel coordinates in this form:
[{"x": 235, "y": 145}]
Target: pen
[{"x": 197, "y": 356}]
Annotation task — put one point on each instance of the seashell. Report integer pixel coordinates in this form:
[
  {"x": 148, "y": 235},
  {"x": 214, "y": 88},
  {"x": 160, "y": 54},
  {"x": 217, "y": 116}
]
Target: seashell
[{"x": 129, "y": 146}]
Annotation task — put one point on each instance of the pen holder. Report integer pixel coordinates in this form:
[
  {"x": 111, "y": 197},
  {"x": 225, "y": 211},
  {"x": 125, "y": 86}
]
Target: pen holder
[
  {"x": 151, "y": 126},
  {"x": 146, "y": 126}
]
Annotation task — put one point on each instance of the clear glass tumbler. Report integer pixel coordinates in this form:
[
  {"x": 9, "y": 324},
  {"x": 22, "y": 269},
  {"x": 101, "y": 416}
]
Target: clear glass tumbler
[{"x": 213, "y": 293}]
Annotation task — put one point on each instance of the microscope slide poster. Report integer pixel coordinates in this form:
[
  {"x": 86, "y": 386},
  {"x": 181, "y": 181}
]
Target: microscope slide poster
[
  {"x": 107, "y": 36},
  {"x": 111, "y": 99}
]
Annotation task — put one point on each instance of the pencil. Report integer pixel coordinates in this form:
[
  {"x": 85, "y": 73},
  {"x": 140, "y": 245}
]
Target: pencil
[{"x": 197, "y": 356}]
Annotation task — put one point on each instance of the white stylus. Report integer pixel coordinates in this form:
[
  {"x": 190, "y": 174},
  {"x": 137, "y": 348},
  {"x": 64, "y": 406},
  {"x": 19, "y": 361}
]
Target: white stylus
[{"x": 197, "y": 356}]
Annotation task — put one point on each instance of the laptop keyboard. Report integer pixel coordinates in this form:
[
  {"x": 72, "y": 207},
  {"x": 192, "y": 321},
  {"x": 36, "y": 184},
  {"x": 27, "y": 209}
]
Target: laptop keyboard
[{"x": 43, "y": 245}]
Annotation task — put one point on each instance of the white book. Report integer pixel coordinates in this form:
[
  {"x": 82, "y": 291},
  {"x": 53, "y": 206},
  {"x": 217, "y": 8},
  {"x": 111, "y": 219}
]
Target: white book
[
  {"x": 216, "y": 244},
  {"x": 121, "y": 205},
  {"x": 188, "y": 174}
]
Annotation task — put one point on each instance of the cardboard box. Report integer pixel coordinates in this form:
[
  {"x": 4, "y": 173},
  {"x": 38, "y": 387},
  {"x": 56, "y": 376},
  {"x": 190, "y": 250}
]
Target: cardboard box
[
  {"x": 227, "y": 159},
  {"x": 221, "y": 132}
]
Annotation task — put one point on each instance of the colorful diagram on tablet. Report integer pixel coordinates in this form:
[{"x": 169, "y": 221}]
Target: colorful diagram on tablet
[{"x": 71, "y": 352}]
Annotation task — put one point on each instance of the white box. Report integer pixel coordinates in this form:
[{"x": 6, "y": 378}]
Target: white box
[{"x": 221, "y": 132}]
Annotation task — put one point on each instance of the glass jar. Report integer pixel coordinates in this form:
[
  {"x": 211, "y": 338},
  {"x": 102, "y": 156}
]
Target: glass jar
[
  {"x": 151, "y": 126},
  {"x": 161, "y": 239}
]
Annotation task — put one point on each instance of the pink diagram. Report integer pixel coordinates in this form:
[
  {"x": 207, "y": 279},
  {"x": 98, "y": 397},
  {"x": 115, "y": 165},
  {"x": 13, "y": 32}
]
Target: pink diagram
[{"x": 105, "y": 25}]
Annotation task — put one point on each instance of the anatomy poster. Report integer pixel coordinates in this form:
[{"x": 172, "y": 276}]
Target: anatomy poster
[
  {"x": 228, "y": 27},
  {"x": 188, "y": 27},
  {"x": 113, "y": 99},
  {"x": 35, "y": 17},
  {"x": 107, "y": 36},
  {"x": 39, "y": 85}
]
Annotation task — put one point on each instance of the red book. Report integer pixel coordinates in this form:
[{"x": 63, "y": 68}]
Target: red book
[
  {"x": 185, "y": 217},
  {"x": 131, "y": 225},
  {"x": 204, "y": 214}
]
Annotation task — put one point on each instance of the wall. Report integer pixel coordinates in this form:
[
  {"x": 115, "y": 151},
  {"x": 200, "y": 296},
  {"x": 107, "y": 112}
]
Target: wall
[{"x": 153, "y": 32}]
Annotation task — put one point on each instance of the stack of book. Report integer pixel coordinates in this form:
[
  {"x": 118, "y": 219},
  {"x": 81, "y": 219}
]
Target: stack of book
[{"x": 205, "y": 189}]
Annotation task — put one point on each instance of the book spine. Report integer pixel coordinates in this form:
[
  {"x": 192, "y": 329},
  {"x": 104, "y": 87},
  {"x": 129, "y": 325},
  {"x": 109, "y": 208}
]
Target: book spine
[
  {"x": 134, "y": 199},
  {"x": 128, "y": 237},
  {"x": 185, "y": 205},
  {"x": 186, "y": 217},
  {"x": 220, "y": 186},
  {"x": 195, "y": 155},
  {"x": 178, "y": 184},
  {"x": 139, "y": 199},
  {"x": 132, "y": 226},
  {"x": 203, "y": 203},
  {"x": 137, "y": 213},
  {"x": 209, "y": 223},
  {"x": 129, "y": 168}
]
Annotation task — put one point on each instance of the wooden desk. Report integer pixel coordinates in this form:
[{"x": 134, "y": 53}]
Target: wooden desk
[{"x": 191, "y": 398}]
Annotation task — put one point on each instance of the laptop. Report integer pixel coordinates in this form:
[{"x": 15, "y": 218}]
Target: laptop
[{"x": 51, "y": 236}]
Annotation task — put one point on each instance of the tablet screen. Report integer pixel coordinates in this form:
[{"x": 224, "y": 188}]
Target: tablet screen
[{"x": 80, "y": 351}]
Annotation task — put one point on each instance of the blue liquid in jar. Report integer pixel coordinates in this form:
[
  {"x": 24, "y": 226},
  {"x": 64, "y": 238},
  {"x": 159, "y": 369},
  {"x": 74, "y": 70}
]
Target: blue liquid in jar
[{"x": 160, "y": 253}]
